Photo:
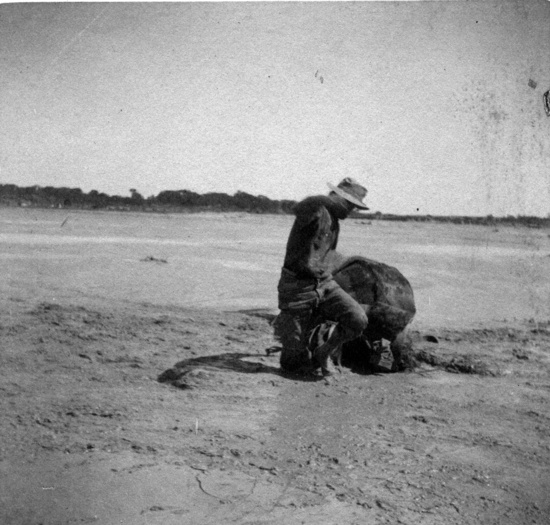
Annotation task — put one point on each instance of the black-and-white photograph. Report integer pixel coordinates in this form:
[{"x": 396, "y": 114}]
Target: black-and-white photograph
[{"x": 278, "y": 263}]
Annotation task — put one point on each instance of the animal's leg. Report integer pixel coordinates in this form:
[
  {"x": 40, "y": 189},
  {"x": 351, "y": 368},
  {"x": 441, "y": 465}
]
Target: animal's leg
[{"x": 337, "y": 358}]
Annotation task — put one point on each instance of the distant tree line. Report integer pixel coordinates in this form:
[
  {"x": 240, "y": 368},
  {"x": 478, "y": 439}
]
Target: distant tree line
[
  {"x": 179, "y": 200},
  {"x": 487, "y": 220},
  {"x": 189, "y": 201}
]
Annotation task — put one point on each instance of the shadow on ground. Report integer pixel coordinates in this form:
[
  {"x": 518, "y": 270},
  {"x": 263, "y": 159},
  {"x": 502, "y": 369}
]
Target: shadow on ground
[{"x": 191, "y": 373}]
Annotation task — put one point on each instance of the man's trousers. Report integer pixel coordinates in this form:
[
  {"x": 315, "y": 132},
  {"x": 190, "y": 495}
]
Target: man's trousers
[{"x": 301, "y": 301}]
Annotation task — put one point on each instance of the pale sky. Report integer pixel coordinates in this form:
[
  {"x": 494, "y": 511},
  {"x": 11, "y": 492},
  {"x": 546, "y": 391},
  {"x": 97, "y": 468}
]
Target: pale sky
[{"x": 435, "y": 106}]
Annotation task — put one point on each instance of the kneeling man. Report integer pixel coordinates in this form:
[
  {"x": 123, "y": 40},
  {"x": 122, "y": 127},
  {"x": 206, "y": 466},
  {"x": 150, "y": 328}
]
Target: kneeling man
[{"x": 306, "y": 287}]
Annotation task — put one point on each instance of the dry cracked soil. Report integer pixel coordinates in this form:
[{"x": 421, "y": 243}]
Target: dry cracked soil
[{"x": 146, "y": 414}]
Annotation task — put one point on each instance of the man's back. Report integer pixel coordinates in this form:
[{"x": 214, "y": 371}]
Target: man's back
[{"x": 314, "y": 237}]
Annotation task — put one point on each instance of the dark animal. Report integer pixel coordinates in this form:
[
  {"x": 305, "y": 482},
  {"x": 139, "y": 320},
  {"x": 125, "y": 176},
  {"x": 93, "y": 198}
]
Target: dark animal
[{"x": 389, "y": 303}]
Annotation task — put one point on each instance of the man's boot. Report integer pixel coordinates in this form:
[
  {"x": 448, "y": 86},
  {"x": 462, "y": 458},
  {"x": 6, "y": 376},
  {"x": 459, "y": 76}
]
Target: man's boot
[
  {"x": 323, "y": 353},
  {"x": 381, "y": 357}
]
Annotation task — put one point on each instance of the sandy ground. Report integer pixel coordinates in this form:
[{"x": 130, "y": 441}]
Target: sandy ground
[{"x": 97, "y": 307}]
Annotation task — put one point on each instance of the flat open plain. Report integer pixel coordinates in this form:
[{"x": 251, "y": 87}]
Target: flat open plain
[{"x": 96, "y": 305}]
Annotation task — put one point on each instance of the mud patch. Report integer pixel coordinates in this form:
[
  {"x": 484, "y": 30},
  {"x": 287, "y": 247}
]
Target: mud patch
[{"x": 457, "y": 364}]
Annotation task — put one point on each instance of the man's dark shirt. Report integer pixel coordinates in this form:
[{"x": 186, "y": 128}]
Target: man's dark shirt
[{"x": 314, "y": 236}]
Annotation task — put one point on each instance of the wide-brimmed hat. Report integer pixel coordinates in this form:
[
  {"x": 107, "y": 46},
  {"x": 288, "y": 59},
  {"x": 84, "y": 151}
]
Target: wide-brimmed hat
[{"x": 352, "y": 191}]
